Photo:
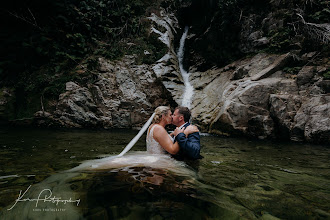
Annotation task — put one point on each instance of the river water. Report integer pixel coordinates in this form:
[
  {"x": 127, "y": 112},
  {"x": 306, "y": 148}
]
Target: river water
[{"x": 236, "y": 179}]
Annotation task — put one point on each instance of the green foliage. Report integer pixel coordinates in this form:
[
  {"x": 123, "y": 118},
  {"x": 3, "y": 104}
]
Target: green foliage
[
  {"x": 292, "y": 70},
  {"x": 280, "y": 40},
  {"x": 319, "y": 13},
  {"x": 321, "y": 16},
  {"x": 327, "y": 75}
]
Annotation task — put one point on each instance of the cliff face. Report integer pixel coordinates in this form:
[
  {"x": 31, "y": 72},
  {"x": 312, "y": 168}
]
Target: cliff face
[
  {"x": 255, "y": 97},
  {"x": 122, "y": 96},
  {"x": 251, "y": 75}
]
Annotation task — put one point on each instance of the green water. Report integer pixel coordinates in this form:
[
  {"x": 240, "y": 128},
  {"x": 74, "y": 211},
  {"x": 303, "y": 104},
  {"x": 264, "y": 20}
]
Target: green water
[{"x": 237, "y": 179}]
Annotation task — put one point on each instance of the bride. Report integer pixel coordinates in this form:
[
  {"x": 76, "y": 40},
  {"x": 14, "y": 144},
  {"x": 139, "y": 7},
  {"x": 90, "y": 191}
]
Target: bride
[
  {"x": 159, "y": 144},
  {"x": 158, "y": 140}
]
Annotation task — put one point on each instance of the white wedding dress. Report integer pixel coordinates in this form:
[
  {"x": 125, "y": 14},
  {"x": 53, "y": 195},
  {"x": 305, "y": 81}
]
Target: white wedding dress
[
  {"x": 155, "y": 157},
  {"x": 153, "y": 147}
]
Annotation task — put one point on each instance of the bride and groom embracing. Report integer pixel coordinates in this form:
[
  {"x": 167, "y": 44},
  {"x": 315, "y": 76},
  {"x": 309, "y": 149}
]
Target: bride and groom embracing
[{"x": 182, "y": 143}]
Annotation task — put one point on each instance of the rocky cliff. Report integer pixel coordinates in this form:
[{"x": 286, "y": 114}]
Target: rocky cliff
[
  {"x": 255, "y": 97},
  {"x": 122, "y": 96},
  {"x": 254, "y": 92}
]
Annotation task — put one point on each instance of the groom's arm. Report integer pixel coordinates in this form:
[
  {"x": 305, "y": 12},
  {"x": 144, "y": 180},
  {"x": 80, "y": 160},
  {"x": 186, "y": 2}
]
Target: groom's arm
[{"x": 190, "y": 146}]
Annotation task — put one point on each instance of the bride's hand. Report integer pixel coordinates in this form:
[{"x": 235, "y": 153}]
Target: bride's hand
[
  {"x": 190, "y": 129},
  {"x": 178, "y": 131}
]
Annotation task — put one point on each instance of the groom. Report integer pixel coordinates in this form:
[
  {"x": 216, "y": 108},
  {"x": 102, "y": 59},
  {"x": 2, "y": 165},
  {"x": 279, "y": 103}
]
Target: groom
[{"x": 189, "y": 146}]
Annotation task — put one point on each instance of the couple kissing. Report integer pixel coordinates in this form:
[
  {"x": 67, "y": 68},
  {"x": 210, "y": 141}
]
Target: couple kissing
[{"x": 182, "y": 143}]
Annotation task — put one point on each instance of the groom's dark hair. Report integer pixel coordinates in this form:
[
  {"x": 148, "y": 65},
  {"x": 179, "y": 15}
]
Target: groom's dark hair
[{"x": 185, "y": 112}]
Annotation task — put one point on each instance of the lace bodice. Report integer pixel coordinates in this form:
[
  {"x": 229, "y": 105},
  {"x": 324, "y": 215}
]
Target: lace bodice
[{"x": 153, "y": 146}]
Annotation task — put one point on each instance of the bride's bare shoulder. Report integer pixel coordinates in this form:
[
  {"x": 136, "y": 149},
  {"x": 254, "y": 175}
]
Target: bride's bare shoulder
[{"x": 158, "y": 128}]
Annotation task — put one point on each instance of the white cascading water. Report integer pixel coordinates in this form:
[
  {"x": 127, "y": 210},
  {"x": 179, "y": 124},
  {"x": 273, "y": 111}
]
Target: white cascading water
[{"x": 189, "y": 90}]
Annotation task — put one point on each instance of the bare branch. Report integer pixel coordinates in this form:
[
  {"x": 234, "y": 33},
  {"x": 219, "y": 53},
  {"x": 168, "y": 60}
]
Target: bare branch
[
  {"x": 240, "y": 16},
  {"x": 24, "y": 19},
  {"x": 35, "y": 22}
]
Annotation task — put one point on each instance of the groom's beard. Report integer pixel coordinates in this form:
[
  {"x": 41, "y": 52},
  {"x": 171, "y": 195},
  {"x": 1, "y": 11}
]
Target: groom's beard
[
  {"x": 177, "y": 124},
  {"x": 172, "y": 122}
]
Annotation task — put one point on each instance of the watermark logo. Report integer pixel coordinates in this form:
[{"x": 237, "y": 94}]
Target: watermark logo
[{"x": 45, "y": 195}]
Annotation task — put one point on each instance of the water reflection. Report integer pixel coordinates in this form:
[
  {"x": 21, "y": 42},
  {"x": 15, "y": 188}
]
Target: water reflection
[
  {"x": 144, "y": 193},
  {"x": 237, "y": 179}
]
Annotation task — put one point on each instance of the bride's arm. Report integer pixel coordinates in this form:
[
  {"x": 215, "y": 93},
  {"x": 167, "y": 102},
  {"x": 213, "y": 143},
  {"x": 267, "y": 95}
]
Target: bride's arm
[
  {"x": 161, "y": 136},
  {"x": 189, "y": 130}
]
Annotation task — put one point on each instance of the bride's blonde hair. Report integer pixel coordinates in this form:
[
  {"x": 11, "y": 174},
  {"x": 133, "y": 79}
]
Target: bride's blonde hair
[{"x": 159, "y": 112}]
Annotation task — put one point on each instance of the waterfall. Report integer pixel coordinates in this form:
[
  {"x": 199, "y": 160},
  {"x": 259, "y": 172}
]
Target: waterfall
[{"x": 189, "y": 90}]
